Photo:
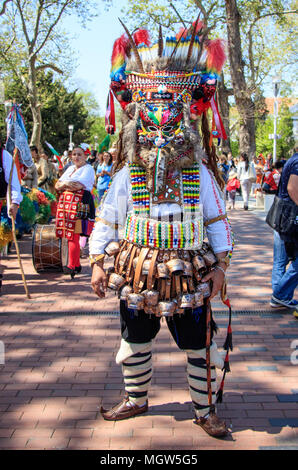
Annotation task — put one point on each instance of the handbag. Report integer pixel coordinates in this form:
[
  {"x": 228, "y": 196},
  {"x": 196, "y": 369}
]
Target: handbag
[
  {"x": 252, "y": 177},
  {"x": 283, "y": 218}
]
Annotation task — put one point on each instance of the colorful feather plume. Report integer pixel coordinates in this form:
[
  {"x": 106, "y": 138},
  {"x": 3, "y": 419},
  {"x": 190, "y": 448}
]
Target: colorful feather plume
[
  {"x": 134, "y": 48},
  {"x": 199, "y": 27},
  {"x": 182, "y": 33},
  {"x": 141, "y": 37},
  {"x": 216, "y": 55},
  {"x": 121, "y": 50}
]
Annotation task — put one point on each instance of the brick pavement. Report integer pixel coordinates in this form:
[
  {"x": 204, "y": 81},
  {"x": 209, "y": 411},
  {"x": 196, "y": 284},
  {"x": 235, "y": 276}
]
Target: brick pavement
[
  {"x": 59, "y": 364},
  {"x": 248, "y": 276}
]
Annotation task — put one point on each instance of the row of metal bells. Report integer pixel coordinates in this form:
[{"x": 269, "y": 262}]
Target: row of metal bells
[{"x": 190, "y": 267}]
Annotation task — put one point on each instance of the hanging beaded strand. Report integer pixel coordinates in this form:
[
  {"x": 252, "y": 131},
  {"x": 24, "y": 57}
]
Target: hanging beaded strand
[
  {"x": 191, "y": 188},
  {"x": 140, "y": 194}
]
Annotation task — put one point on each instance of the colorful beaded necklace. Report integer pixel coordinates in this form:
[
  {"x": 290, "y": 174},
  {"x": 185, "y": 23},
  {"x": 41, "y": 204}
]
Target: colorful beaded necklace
[{"x": 141, "y": 195}]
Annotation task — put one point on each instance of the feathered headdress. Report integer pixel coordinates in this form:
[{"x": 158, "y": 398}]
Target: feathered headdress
[{"x": 188, "y": 61}]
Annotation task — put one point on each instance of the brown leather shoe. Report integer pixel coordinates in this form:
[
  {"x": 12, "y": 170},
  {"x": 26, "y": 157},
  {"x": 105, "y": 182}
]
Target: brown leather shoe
[
  {"x": 122, "y": 411},
  {"x": 214, "y": 426}
]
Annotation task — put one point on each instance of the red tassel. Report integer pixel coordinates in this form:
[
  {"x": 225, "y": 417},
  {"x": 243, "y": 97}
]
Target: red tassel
[
  {"x": 199, "y": 107},
  {"x": 219, "y": 394},
  {"x": 141, "y": 36},
  {"x": 216, "y": 55},
  {"x": 227, "y": 302},
  {"x": 226, "y": 366},
  {"x": 228, "y": 342}
]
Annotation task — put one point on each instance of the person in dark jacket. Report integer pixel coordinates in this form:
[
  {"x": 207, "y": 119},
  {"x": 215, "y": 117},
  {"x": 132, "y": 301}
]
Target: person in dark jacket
[{"x": 285, "y": 263}]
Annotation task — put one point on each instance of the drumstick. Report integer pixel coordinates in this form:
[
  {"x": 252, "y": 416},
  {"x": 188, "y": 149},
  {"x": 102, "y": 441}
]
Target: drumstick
[{"x": 15, "y": 153}]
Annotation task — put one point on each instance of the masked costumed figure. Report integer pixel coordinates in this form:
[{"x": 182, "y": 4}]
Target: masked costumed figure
[{"x": 165, "y": 195}]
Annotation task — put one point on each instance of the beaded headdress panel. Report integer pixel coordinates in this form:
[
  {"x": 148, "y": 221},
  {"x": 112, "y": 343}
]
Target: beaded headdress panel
[{"x": 163, "y": 88}]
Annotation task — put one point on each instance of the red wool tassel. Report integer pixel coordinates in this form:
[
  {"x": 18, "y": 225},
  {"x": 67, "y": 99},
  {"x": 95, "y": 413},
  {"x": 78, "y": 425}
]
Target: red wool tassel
[
  {"x": 219, "y": 394},
  {"x": 229, "y": 342},
  {"x": 227, "y": 302},
  {"x": 141, "y": 36},
  {"x": 199, "y": 107},
  {"x": 216, "y": 55},
  {"x": 227, "y": 364}
]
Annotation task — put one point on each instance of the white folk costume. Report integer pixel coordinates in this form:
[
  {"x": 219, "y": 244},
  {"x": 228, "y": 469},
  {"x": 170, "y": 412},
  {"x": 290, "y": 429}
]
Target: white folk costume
[
  {"x": 165, "y": 196},
  {"x": 75, "y": 213},
  {"x": 5, "y": 168}
]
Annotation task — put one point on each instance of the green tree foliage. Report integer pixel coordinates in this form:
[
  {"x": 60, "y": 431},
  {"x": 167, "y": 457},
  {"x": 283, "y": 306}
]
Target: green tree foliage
[
  {"x": 59, "y": 109},
  {"x": 284, "y": 128},
  {"x": 268, "y": 36},
  {"x": 32, "y": 40}
]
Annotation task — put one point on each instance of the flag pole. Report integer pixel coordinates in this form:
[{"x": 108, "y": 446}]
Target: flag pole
[
  {"x": 15, "y": 154},
  {"x": 9, "y": 194}
]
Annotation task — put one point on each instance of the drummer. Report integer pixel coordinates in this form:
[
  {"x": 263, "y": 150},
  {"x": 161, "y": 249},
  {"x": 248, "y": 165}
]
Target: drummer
[
  {"x": 75, "y": 212},
  {"x": 16, "y": 196}
]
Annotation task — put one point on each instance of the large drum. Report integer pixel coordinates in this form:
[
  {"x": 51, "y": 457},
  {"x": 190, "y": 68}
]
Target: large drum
[{"x": 49, "y": 253}]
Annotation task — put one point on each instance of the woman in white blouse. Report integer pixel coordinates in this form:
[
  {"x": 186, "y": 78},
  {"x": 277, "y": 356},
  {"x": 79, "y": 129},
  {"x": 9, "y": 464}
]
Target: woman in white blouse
[
  {"x": 75, "y": 212},
  {"x": 246, "y": 173}
]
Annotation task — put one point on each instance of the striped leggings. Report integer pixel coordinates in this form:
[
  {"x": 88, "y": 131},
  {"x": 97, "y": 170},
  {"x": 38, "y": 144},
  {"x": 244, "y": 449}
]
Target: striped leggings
[
  {"x": 135, "y": 356},
  {"x": 137, "y": 373}
]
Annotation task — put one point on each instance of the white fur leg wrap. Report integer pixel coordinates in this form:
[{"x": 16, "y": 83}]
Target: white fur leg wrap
[
  {"x": 215, "y": 358},
  {"x": 127, "y": 350}
]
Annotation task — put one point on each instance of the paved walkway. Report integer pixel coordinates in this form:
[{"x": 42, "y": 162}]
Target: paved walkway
[
  {"x": 248, "y": 277},
  {"x": 59, "y": 363}
]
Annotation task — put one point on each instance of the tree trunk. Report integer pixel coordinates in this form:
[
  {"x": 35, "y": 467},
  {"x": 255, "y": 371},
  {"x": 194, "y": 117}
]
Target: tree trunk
[
  {"x": 224, "y": 107},
  {"x": 244, "y": 103},
  {"x": 34, "y": 106}
]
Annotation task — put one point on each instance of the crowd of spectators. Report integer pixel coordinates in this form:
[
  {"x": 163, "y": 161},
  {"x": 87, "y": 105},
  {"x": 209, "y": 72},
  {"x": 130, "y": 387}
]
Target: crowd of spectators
[{"x": 260, "y": 176}]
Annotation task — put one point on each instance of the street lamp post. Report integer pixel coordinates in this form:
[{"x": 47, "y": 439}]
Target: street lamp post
[
  {"x": 70, "y": 129},
  {"x": 95, "y": 142},
  {"x": 275, "y": 115}
]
